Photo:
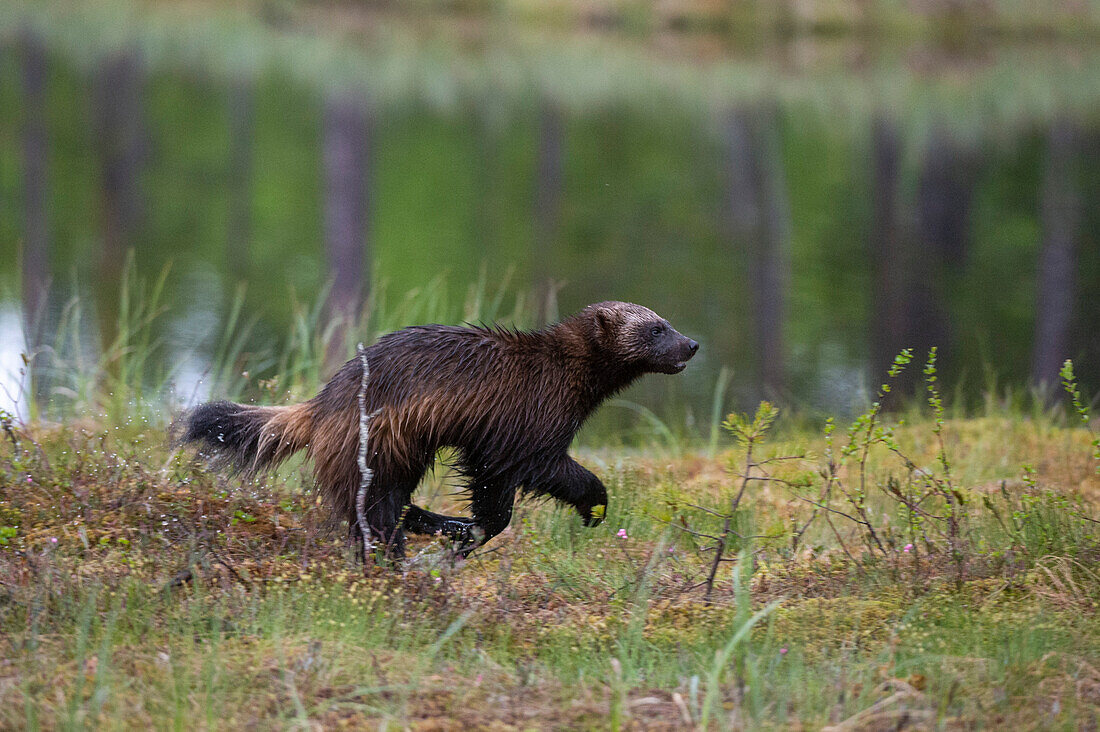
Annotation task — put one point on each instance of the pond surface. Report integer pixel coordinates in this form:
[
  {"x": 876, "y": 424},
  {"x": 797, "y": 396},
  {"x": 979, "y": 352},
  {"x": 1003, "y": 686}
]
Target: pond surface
[{"x": 803, "y": 211}]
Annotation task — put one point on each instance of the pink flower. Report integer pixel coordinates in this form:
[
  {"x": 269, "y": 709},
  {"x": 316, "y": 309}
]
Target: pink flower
[
  {"x": 53, "y": 539},
  {"x": 622, "y": 534},
  {"x": 907, "y": 548},
  {"x": 783, "y": 651},
  {"x": 30, "y": 479}
]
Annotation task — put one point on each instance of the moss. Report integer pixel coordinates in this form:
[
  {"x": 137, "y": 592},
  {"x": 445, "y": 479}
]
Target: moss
[
  {"x": 823, "y": 623},
  {"x": 10, "y": 515},
  {"x": 688, "y": 623}
]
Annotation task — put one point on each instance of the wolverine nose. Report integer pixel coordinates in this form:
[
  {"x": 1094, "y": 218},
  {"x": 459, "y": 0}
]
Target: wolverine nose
[{"x": 694, "y": 346}]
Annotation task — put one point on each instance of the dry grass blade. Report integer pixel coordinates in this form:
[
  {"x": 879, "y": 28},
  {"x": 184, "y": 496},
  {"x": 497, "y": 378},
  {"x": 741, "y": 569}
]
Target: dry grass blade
[{"x": 903, "y": 709}]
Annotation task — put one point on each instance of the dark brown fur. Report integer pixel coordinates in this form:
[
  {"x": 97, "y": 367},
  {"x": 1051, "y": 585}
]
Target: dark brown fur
[{"x": 509, "y": 401}]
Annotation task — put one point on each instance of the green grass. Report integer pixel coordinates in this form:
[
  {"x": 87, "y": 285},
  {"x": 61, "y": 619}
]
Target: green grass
[{"x": 551, "y": 624}]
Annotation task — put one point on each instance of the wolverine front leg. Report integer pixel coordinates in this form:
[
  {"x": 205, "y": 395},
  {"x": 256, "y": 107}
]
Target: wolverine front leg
[{"x": 570, "y": 483}]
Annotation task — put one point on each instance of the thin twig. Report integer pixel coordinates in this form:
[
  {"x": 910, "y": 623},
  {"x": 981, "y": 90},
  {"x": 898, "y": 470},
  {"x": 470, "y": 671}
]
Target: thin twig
[
  {"x": 683, "y": 526},
  {"x": 830, "y": 509},
  {"x": 796, "y": 539},
  {"x": 781, "y": 481},
  {"x": 781, "y": 458},
  {"x": 366, "y": 475},
  {"x": 706, "y": 510},
  {"x": 839, "y": 540},
  {"x": 226, "y": 564}
]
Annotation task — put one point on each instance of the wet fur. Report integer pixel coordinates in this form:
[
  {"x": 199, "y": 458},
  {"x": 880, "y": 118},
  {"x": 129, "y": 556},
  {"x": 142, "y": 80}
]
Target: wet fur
[{"x": 509, "y": 401}]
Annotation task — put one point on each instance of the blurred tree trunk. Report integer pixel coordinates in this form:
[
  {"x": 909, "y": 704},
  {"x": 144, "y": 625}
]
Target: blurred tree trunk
[
  {"x": 121, "y": 137},
  {"x": 239, "y": 230},
  {"x": 1060, "y": 215},
  {"x": 887, "y": 249},
  {"x": 549, "y": 184},
  {"x": 487, "y": 138},
  {"x": 945, "y": 192},
  {"x": 759, "y": 214},
  {"x": 912, "y": 258},
  {"x": 36, "y": 235},
  {"x": 121, "y": 132},
  {"x": 346, "y": 173}
]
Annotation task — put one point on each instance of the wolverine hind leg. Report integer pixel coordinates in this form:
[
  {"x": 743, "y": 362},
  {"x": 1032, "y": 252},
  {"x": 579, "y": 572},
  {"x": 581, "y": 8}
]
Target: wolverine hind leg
[
  {"x": 383, "y": 516},
  {"x": 463, "y": 531},
  {"x": 492, "y": 509}
]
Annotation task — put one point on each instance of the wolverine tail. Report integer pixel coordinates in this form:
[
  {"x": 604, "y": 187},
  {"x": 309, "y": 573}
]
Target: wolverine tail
[{"x": 244, "y": 439}]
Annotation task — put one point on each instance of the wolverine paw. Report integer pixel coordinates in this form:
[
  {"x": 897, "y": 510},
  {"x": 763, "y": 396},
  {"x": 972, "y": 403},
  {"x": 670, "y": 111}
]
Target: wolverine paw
[
  {"x": 471, "y": 538},
  {"x": 594, "y": 516}
]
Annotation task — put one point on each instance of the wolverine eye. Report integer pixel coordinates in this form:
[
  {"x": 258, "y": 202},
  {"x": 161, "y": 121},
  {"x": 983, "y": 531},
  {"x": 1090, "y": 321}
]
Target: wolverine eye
[{"x": 655, "y": 330}]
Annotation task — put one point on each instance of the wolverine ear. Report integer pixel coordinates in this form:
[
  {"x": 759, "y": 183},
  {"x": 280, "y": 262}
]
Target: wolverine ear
[{"x": 604, "y": 321}]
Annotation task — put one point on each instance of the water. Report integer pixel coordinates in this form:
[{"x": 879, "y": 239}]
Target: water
[
  {"x": 12, "y": 347},
  {"x": 803, "y": 217}
]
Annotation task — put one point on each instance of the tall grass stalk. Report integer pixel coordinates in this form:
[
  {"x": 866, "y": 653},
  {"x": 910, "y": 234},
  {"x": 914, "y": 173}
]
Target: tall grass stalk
[
  {"x": 717, "y": 402},
  {"x": 658, "y": 426},
  {"x": 737, "y": 641},
  {"x": 631, "y": 645},
  {"x": 124, "y": 370},
  {"x": 1081, "y": 410}
]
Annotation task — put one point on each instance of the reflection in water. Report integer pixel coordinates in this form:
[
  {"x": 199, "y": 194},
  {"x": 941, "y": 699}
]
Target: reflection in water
[
  {"x": 193, "y": 330},
  {"x": 191, "y": 381},
  {"x": 12, "y": 347}
]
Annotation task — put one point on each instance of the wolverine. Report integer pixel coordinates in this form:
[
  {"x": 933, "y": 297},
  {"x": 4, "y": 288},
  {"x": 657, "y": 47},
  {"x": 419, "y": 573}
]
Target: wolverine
[{"x": 509, "y": 403}]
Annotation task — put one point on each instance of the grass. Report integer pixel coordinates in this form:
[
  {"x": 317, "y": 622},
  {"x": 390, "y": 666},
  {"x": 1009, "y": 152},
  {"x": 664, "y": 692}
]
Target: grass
[
  {"x": 138, "y": 590},
  {"x": 129, "y": 371}
]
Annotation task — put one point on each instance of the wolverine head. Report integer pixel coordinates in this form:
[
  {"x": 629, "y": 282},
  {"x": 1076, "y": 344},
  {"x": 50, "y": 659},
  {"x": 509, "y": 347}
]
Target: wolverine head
[{"x": 641, "y": 337}]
